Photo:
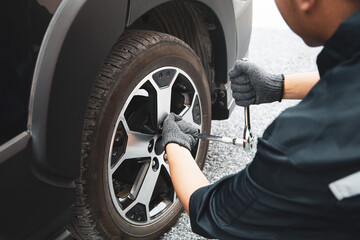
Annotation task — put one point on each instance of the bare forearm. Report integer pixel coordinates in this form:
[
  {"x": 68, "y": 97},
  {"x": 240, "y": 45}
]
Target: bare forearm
[
  {"x": 297, "y": 86},
  {"x": 186, "y": 176}
]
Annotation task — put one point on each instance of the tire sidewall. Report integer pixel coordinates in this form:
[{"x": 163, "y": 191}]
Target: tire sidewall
[{"x": 164, "y": 53}]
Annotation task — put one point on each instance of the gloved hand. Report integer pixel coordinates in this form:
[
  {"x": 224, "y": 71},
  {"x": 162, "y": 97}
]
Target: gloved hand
[
  {"x": 176, "y": 130},
  {"x": 252, "y": 85}
]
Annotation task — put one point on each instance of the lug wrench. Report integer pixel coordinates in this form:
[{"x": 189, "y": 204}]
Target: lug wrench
[
  {"x": 248, "y": 139},
  {"x": 246, "y": 142}
]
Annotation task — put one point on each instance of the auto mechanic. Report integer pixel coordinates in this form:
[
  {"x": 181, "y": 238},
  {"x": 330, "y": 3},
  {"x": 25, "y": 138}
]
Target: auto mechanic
[{"x": 304, "y": 181}]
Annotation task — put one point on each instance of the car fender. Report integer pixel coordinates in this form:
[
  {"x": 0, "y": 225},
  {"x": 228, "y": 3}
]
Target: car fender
[{"x": 79, "y": 37}]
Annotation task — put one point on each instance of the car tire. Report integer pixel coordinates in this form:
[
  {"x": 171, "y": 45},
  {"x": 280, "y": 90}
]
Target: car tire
[{"x": 125, "y": 190}]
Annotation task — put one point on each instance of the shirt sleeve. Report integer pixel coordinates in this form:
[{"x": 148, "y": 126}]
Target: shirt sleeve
[
  {"x": 284, "y": 192},
  {"x": 269, "y": 199},
  {"x": 214, "y": 208},
  {"x": 240, "y": 206}
]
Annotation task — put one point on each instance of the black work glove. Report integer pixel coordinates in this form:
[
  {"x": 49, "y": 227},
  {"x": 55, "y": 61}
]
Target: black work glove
[
  {"x": 252, "y": 85},
  {"x": 176, "y": 130}
]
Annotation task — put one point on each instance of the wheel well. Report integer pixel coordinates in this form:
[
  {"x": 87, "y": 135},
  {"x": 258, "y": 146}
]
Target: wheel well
[{"x": 199, "y": 27}]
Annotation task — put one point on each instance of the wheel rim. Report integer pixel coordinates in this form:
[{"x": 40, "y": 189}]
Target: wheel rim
[{"x": 138, "y": 172}]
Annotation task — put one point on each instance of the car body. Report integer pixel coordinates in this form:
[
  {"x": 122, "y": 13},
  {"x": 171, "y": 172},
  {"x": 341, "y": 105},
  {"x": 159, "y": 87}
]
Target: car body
[{"x": 51, "y": 54}]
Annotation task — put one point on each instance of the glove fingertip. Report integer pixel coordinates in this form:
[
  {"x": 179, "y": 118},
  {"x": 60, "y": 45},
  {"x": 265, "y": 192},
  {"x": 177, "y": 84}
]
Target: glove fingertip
[
  {"x": 236, "y": 70},
  {"x": 194, "y": 131},
  {"x": 170, "y": 116}
]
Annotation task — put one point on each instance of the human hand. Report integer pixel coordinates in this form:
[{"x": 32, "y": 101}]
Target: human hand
[
  {"x": 252, "y": 85},
  {"x": 176, "y": 130}
]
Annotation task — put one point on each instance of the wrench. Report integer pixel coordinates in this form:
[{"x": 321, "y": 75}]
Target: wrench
[
  {"x": 248, "y": 139},
  {"x": 247, "y": 142}
]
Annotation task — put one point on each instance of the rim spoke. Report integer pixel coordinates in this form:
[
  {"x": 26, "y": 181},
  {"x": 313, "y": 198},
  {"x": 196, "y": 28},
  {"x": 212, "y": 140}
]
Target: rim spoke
[
  {"x": 137, "y": 142},
  {"x": 137, "y": 146},
  {"x": 142, "y": 190},
  {"x": 163, "y": 104},
  {"x": 139, "y": 181},
  {"x": 131, "y": 153},
  {"x": 163, "y": 99},
  {"x": 148, "y": 186}
]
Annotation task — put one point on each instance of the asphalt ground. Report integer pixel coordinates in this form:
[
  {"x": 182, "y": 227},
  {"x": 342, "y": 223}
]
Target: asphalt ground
[{"x": 277, "y": 49}]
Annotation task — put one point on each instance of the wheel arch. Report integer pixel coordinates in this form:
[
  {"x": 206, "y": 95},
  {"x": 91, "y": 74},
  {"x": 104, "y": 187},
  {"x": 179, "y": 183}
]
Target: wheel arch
[
  {"x": 211, "y": 34},
  {"x": 64, "y": 73},
  {"x": 63, "y": 77}
]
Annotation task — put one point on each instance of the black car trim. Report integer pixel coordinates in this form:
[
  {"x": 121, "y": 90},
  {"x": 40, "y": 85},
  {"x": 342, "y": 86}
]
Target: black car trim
[
  {"x": 61, "y": 87},
  {"x": 14, "y": 145},
  {"x": 49, "y": 51}
]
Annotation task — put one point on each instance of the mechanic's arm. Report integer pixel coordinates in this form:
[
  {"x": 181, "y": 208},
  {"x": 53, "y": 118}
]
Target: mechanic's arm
[
  {"x": 178, "y": 140},
  {"x": 297, "y": 86},
  {"x": 252, "y": 85},
  {"x": 186, "y": 176}
]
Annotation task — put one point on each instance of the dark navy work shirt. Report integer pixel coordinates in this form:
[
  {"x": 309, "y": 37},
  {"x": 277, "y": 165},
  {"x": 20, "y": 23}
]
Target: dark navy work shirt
[{"x": 304, "y": 182}]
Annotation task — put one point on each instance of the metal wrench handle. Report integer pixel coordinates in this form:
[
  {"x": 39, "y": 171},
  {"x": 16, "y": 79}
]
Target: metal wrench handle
[
  {"x": 248, "y": 136},
  {"x": 228, "y": 140},
  {"x": 246, "y": 141}
]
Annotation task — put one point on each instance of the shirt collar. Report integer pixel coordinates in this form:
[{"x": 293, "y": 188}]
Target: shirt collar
[{"x": 344, "y": 44}]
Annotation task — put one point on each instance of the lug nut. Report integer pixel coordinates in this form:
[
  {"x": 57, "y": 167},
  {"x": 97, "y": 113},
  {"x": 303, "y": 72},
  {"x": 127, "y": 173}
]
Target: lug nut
[
  {"x": 222, "y": 94},
  {"x": 114, "y": 152},
  {"x": 155, "y": 164},
  {"x": 117, "y": 138}
]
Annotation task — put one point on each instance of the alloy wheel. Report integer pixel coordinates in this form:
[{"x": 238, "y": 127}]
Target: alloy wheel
[{"x": 138, "y": 171}]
